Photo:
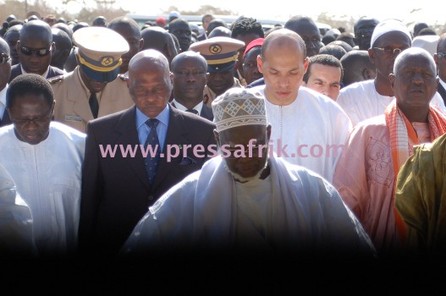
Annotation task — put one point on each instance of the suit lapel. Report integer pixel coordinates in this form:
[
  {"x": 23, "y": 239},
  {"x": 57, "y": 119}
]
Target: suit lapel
[
  {"x": 206, "y": 112},
  {"x": 5, "y": 120},
  {"x": 176, "y": 135},
  {"x": 128, "y": 135}
]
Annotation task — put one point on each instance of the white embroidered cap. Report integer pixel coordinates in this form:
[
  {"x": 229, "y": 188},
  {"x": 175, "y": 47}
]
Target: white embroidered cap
[
  {"x": 387, "y": 26},
  {"x": 239, "y": 107}
]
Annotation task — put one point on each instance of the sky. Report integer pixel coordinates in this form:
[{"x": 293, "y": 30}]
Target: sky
[{"x": 408, "y": 11}]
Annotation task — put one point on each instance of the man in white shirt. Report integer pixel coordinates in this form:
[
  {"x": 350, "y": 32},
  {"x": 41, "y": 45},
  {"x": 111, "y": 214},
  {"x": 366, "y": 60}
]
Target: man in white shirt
[
  {"x": 44, "y": 158},
  {"x": 308, "y": 128}
]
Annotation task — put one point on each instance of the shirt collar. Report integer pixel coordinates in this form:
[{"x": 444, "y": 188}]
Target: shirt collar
[
  {"x": 443, "y": 83},
  {"x": 181, "y": 107},
  {"x": 44, "y": 74},
  {"x": 163, "y": 117},
  {"x": 3, "y": 95}
]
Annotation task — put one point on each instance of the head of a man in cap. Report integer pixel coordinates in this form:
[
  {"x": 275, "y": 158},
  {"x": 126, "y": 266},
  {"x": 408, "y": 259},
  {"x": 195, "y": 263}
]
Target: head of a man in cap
[
  {"x": 150, "y": 81},
  {"x": 221, "y": 53},
  {"x": 35, "y": 46},
  {"x": 242, "y": 132},
  {"x": 99, "y": 55},
  {"x": 129, "y": 29},
  {"x": 389, "y": 38},
  {"x": 250, "y": 71}
]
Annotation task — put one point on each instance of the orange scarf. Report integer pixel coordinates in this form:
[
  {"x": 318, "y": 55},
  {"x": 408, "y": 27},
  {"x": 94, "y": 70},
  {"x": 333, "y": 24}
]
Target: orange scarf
[{"x": 402, "y": 138}]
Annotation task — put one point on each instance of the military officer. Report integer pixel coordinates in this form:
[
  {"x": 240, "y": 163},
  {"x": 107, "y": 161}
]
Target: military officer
[
  {"x": 95, "y": 88},
  {"x": 221, "y": 54}
]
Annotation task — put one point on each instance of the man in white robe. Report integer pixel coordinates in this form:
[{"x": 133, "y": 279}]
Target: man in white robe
[
  {"x": 44, "y": 159},
  {"x": 16, "y": 223},
  {"x": 308, "y": 128},
  {"x": 247, "y": 199}
]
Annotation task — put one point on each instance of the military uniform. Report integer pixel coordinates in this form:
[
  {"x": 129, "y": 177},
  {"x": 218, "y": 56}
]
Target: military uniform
[
  {"x": 71, "y": 95},
  {"x": 209, "y": 95},
  {"x": 221, "y": 53},
  {"x": 99, "y": 58}
]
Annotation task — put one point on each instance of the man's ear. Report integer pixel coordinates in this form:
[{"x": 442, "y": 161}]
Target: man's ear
[
  {"x": 141, "y": 44},
  {"x": 259, "y": 64},
  {"x": 392, "y": 79}
]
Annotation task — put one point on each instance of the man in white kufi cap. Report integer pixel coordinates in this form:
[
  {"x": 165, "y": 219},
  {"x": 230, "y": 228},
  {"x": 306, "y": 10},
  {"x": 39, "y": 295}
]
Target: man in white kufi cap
[
  {"x": 247, "y": 199},
  {"x": 369, "y": 98}
]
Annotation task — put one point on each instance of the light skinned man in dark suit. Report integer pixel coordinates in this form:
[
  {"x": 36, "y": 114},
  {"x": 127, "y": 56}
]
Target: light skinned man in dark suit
[{"x": 116, "y": 191}]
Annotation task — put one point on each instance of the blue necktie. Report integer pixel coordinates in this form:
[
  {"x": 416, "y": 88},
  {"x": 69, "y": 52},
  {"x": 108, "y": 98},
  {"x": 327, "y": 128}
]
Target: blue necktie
[{"x": 152, "y": 140}]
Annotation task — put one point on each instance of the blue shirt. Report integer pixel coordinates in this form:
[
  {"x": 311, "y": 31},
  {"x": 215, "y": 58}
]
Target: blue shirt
[{"x": 161, "y": 129}]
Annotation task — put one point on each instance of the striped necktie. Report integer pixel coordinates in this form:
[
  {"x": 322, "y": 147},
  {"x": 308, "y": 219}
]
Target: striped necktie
[{"x": 151, "y": 161}]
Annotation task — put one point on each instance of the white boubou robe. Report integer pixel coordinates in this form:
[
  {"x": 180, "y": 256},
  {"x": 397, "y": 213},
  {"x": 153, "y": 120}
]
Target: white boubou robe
[
  {"x": 48, "y": 178},
  {"x": 302, "y": 211}
]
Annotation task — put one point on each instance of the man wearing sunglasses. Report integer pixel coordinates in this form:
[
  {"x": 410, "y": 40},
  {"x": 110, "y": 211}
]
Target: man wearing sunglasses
[
  {"x": 86, "y": 92},
  {"x": 35, "y": 48}
]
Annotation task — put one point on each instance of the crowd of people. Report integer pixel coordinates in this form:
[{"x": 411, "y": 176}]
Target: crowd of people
[{"x": 122, "y": 142}]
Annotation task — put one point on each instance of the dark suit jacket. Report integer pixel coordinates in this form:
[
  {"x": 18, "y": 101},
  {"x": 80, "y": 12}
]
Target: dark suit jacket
[
  {"x": 206, "y": 111},
  {"x": 115, "y": 190},
  {"x": 16, "y": 70},
  {"x": 5, "y": 120},
  {"x": 260, "y": 81},
  {"x": 442, "y": 92}
]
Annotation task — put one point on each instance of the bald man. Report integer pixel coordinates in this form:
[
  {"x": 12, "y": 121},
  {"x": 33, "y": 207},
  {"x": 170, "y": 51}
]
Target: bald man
[
  {"x": 308, "y": 128},
  {"x": 35, "y": 48},
  {"x": 117, "y": 189},
  {"x": 189, "y": 71}
]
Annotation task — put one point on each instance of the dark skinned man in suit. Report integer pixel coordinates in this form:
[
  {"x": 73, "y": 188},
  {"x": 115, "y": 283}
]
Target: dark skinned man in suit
[{"x": 116, "y": 190}]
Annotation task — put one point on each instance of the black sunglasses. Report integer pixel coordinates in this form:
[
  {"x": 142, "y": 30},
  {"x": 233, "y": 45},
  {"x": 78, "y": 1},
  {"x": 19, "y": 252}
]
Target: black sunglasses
[
  {"x": 4, "y": 58},
  {"x": 39, "y": 52}
]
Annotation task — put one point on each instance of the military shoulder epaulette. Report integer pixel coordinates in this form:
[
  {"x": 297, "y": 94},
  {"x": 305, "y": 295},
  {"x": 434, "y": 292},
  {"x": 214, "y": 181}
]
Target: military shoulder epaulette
[
  {"x": 55, "y": 79},
  {"x": 123, "y": 77}
]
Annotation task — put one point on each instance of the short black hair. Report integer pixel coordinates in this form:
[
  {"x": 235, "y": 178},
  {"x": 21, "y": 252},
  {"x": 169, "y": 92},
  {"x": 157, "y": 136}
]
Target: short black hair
[
  {"x": 246, "y": 25},
  {"x": 323, "y": 59},
  {"x": 29, "y": 83}
]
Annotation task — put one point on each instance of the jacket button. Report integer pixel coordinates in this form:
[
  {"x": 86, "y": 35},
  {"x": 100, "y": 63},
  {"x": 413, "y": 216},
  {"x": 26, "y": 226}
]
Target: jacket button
[{"x": 150, "y": 197}]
